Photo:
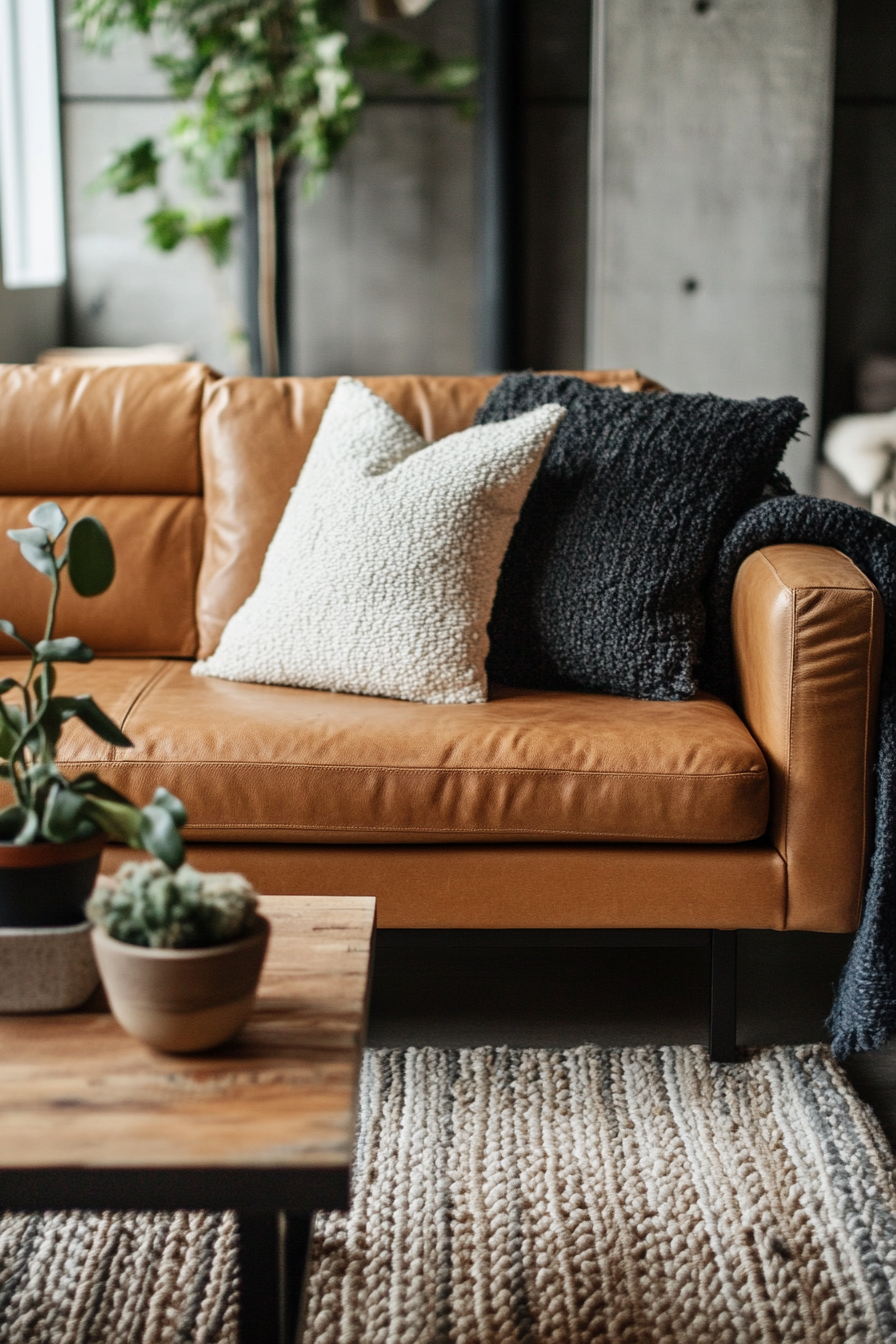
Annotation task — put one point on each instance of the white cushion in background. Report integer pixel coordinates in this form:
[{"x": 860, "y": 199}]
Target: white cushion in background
[{"x": 381, "y": 576}]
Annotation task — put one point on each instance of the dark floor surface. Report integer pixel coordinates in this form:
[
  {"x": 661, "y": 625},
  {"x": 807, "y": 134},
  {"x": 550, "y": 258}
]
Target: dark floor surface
[{"x": 554, "y": 997}]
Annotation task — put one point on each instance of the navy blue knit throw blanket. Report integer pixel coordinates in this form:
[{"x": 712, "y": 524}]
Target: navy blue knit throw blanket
[{"x": 864, "y": 1013}]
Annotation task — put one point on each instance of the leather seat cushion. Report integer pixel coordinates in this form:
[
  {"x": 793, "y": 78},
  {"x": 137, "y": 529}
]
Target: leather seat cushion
[{"x": 269, "y": 763}]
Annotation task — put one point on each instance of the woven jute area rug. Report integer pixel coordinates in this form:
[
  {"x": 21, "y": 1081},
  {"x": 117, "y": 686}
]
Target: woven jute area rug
[
  {"x": 118, "y": 1278},
  {"x": 625, "y": 1195},
  {"x": 532, "y": 1197}
]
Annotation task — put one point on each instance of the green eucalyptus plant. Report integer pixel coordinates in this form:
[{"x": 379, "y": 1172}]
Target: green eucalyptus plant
[
  {"x": 48, "y": 805},
  {"x": 274, "y": 79},
  {"x": 147, "y": 904}
]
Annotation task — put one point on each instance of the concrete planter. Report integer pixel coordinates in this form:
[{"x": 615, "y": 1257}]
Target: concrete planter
[
  {"x": 46, "y": 970},
  {"x": 182, "y": 1000}
]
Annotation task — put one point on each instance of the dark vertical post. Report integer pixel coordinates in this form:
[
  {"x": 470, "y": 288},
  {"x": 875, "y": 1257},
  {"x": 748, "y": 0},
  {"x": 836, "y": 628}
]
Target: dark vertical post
[
  {"x": 723, "y": 996},
  {"x": 295, "y": 1239},
  {"x": 272, "y": 1260},
  {"x": 498, "y": 344},
  {"x": 250, "y": 260},
  {"x": 283, "y": 212},
  {"x": 282, "y": 207},
  {"x": 259, "y": 1315}
]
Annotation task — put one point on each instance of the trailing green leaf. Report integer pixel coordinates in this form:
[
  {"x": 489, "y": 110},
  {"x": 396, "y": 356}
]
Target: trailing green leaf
[
  {"x": 11, "y": 723},
  {"x": 9, "y": 629},
  {"x": 173, "y": 806},
  {"x": 35, "y": 536},
  {"x": 89, "y": 712},
  {"x": 64, "y": 816},
  {"x": 50, "y": 519},
  {"x": 160, "y": 837},
  {"x": 30, "y": 828},
  {"x": 11, "y": 821},
  {"x": 121, "y": 821},
  {"x": 91, "y": 559},
  {"x": 38, "y": 558},
  {"x": 69, "y": 649},
  {"x": 91, "y": 783}
]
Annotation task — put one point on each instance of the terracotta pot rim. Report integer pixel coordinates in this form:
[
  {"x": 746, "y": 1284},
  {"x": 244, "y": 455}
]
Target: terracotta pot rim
[
  {"x": 261, "y": 931},
  {"x": 45, "y": 854}
]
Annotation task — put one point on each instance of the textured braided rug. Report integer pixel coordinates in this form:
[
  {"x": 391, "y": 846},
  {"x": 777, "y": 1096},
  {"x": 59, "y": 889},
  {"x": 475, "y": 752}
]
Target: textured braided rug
[
  {"x": 533, "y": 1197},
  {"x": 625, "y": 1195}
]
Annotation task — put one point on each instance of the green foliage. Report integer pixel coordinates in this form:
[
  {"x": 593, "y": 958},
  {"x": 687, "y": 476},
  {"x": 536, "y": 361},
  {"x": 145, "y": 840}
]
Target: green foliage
[
  {"x": 48, "y": 805},
  {"x": 392, "y": 55},
  {"x": 147, "y": 904},
  {"x": 169, "y": 227},
  {"x": 216, "y": 234},
  {"x": 132, "y": 169},
  {"x": 91, "y": 560},
  {"x": 280, "y": 68}
]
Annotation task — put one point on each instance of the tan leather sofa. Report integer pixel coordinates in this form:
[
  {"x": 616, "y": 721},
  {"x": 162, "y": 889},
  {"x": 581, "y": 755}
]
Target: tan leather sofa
[{"x": 536, "y": 810}]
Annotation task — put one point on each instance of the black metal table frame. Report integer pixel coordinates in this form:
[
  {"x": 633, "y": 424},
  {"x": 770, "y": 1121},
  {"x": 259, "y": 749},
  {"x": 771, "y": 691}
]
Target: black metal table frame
[{"x": 274, "y": 1208}]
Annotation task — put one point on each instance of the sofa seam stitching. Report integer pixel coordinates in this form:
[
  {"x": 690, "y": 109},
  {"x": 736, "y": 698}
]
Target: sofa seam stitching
[
  {"x": 141, "y": 691},
  {"x": 427, "y": 769},
  {"x": 623, "y": 838}
]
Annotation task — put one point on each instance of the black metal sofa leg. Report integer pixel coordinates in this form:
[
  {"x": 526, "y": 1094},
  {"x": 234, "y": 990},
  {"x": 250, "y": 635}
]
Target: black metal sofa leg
[{"x": 723, "y": 996}]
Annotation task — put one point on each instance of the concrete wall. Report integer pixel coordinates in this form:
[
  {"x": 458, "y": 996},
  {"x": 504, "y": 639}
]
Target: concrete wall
[
  {"x": 710, "y": 177},
  {"x": 123, "y": 292},
  {"x": 384, "y": 261},
  {"x": 383, "y": 265},
  {"x": 30, "y": 321}
]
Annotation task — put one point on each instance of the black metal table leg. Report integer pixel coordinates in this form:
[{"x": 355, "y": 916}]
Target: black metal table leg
[
  {"x": 273, "y": 1253},
  {"x": 723, "y": 996}
]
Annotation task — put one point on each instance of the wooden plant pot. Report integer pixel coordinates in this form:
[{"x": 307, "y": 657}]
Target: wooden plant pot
[
  {"x": 47, "y": 886},
  {"x": 181, "y": 1000}
]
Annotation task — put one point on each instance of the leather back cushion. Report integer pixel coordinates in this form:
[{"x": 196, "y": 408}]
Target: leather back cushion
[
  {"x": 256, "y": 434},
  {"x": 121, "y": 444}
]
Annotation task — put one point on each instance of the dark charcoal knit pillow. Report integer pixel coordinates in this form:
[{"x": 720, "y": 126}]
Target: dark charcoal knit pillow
[{"x": 601, "y": 585}]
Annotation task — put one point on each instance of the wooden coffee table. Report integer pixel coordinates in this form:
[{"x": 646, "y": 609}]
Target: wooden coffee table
[{"x": 91, "y": 1118}]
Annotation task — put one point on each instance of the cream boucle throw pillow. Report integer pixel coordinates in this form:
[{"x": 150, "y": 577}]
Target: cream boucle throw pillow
[{"x": 381, "y": 575}]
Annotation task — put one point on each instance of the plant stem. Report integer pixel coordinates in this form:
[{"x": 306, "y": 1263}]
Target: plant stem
[
  {"x": 267, "y": 255},
  {"x": 17, "y": 756}
]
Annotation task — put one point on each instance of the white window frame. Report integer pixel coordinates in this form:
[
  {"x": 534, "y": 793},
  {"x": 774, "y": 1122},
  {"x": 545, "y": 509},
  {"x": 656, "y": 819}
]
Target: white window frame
[{"x": 32, "y": 225}]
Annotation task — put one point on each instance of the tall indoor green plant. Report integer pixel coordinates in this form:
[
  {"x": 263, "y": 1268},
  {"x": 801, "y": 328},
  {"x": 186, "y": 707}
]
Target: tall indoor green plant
[{"x": 275, "y": 80}]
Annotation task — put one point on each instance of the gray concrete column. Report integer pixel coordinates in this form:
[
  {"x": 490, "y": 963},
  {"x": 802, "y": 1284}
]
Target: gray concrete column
[{"x": 709, "y": 187}]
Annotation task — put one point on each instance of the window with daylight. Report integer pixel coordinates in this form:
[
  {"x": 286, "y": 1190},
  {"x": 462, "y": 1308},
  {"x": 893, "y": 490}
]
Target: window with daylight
[{"x": 31, "y": 215}]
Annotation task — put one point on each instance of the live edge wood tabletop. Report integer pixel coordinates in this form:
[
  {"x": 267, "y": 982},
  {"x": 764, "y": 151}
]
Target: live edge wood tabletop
[{"x": 91, "y": 1118}]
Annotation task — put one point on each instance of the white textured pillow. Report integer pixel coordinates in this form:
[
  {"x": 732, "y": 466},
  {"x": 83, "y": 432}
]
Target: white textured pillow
[{"x": 381, "y": 576}]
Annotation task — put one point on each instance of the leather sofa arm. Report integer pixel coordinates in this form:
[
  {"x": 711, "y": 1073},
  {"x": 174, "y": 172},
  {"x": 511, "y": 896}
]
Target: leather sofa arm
[{"x": 808, "y": 640}]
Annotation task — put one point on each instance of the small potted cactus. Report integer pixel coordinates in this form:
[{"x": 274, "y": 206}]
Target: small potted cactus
[{"x": 179, "y": 953}]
